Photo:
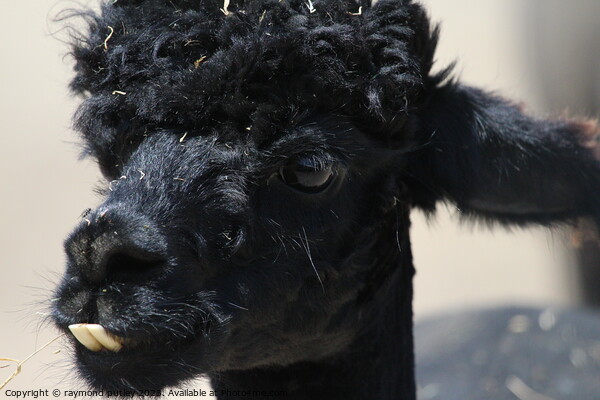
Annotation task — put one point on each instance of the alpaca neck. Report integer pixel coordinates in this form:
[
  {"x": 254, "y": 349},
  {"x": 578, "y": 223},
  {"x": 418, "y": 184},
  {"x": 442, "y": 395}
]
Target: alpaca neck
[{"x": 378, "y": 364}]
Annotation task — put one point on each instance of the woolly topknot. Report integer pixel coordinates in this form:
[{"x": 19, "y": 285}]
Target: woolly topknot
[{"x": 196, "y": 64}]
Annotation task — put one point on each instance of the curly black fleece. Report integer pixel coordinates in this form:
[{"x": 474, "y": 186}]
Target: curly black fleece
[
  {"x": 264, "y": 158},
  {"x": 183, "y": 63}
]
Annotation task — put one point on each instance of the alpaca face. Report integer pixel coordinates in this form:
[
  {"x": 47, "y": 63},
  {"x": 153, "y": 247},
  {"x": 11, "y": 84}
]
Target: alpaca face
[{"x": 209, "y": 254}]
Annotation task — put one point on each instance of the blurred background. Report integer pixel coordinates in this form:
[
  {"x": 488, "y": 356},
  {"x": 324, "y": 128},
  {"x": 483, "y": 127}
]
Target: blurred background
[{"x": 544, "y": 53}]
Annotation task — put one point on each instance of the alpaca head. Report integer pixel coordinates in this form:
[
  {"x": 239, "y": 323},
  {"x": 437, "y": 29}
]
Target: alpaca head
[
  {"x": 251, "y": 161},
  {"x": 262, "y": 157}
]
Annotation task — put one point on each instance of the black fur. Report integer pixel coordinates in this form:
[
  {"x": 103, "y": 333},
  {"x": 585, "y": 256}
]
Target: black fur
[{"x": 212, "y": 261}]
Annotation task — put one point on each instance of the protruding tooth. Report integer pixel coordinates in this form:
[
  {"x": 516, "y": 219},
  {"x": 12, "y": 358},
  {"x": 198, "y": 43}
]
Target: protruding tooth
[
  {"x": 81, "y": 333},
  {"x": 107, "y": 340}
]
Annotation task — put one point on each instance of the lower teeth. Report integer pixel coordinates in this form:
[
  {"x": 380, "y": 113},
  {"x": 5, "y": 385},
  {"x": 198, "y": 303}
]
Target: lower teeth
[{"x": 95, "y": 338}]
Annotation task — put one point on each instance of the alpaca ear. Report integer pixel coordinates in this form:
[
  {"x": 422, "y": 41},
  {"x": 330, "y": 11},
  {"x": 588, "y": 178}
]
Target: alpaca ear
[{"x": 484, "y": 154}]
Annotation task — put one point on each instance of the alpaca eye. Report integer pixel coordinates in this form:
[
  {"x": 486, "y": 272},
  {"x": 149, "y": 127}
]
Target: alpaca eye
[{"x": 307, "y": 176}]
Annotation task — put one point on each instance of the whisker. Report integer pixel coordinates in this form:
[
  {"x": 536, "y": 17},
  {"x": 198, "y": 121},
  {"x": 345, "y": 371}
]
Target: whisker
[{"x": 307, "y": 249}]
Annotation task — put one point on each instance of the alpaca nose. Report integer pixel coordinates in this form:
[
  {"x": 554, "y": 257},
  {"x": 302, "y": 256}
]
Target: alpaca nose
[{"x": 113, "y": 246}]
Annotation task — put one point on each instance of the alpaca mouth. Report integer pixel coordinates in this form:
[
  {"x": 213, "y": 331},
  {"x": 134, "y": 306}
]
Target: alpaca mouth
[
  {"x": 116, "y": 363},
  {"x": 96, "y": 338}
]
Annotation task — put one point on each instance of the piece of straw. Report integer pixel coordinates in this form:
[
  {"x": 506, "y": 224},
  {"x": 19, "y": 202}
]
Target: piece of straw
[{"x": 20, "y": 363}]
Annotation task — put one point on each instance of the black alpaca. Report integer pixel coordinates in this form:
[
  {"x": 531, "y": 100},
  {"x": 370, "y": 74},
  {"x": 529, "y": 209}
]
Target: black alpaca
[{"x": 263, "y": 159}]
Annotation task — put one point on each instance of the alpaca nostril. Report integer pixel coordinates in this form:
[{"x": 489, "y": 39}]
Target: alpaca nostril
[{"x": 118, "y": 246}]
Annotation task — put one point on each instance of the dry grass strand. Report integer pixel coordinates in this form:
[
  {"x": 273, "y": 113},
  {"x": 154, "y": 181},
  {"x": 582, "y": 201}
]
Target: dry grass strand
[{"x": 20, "y": 363}]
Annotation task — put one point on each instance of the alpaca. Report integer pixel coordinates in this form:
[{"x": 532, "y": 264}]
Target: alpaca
[{"x": 263, "y": 159}]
